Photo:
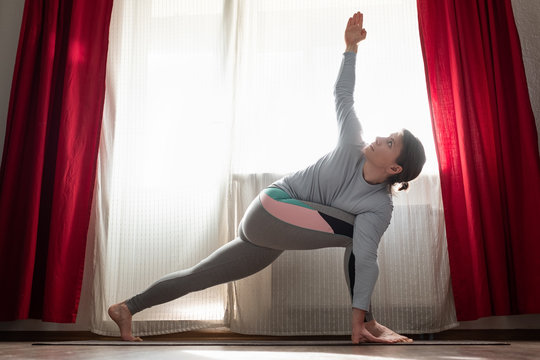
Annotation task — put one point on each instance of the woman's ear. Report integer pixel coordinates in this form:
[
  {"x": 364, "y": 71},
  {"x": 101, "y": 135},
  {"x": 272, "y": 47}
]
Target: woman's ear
[{"x": 395, "y": 169}]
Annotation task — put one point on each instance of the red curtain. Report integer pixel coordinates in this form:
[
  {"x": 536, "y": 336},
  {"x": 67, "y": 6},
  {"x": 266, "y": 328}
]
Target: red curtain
[
  {"x": 486, "y": 143},
  {"x": 49, "y": 158}
]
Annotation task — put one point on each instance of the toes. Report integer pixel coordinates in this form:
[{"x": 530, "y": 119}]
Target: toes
[{"x": 131, "y": 338}]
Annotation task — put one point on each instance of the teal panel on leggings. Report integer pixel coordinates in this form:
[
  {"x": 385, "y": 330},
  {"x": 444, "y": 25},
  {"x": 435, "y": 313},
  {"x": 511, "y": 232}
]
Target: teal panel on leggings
[{"x": 280, "y": 195}]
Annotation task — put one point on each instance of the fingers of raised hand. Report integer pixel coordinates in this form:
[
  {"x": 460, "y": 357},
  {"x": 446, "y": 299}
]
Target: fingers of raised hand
[
  {"x": 358, "y": 19},
  {"x": 363, "y": 34}
]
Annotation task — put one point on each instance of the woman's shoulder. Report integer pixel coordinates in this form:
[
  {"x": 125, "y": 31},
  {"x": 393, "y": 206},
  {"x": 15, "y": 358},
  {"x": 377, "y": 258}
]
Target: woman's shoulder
[
  {"x": 348, "y": 153},
  {"x": 385, "y": 204},
  {"x": 377, "y": 202},
  {"x": 382, "y": 203},
  {"x": 355, "y": 147}
]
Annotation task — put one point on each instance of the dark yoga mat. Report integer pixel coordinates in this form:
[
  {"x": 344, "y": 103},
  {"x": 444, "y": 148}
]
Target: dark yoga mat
[{"x": 260, "y": 343}]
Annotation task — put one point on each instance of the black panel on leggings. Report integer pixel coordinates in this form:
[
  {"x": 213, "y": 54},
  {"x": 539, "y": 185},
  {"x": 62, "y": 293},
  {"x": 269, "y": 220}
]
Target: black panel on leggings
[
  {"x": 351, "y": 273},
  {"x": 339, "y": 226}
]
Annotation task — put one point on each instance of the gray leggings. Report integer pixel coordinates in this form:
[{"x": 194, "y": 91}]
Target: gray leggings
[{"x": 262, "y": 238}]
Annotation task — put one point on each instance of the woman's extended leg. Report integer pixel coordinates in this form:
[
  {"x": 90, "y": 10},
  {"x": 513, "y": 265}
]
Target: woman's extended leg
[
  {"x": 263, "y": 235},
  {"x": 234, "y": 260}
]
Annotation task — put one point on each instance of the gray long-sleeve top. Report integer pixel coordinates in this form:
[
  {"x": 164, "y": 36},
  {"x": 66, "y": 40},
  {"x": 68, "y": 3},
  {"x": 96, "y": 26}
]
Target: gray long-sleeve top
[{"x": 337, "y": 180}]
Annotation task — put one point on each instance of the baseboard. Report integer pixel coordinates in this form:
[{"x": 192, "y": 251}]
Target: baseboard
[{"x": 488, "y": 334}]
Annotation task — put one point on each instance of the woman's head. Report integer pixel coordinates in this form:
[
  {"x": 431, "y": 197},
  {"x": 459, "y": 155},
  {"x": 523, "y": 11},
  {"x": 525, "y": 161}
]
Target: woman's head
[
  {"x": 399, "y": 157},
  {"x": 411, "y": 159}
]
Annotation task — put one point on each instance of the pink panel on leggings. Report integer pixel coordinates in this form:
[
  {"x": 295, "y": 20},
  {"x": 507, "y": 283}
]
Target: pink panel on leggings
[{"x": 295, "y": 215}]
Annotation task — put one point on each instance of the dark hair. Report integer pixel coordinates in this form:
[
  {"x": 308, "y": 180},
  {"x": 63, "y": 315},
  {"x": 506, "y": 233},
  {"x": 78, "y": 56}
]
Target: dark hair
[{"x": 412, "y": 159}]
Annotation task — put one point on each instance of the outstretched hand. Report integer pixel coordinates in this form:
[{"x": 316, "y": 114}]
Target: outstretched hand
[{"x": 354, "y": 32}]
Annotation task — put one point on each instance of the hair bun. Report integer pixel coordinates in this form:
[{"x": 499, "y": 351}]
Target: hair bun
[{"x": 404, "y": 186}]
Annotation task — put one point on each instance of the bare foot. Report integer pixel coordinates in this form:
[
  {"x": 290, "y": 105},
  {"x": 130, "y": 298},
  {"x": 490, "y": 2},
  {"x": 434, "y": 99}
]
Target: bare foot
[
  {"x": 122, "y": 317},
  {"x": 379, "y": 331}
]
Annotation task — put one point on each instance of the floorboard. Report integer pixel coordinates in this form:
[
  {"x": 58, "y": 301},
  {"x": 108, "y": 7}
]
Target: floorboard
[{"x": 517, "y": 350}]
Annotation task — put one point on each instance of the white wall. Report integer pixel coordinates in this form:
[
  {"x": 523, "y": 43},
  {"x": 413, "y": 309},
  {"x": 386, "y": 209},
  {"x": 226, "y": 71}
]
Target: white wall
[
  {"x": 527, "y": 15},
  {"x": 10, "y": 26}
]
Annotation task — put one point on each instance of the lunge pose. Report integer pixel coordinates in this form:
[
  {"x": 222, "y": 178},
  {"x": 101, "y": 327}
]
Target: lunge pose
[{"x": 343, "y": 200}]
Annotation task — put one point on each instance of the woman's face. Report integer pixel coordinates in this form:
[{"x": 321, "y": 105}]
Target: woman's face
[{"x": 384, "y": 151}]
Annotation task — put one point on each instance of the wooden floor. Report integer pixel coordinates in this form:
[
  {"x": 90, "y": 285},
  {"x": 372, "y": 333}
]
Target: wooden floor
[{"x": 515, "y": 351}]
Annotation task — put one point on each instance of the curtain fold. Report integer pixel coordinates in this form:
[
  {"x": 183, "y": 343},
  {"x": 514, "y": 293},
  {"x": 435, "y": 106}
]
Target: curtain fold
[
  {"x": 48, "y": 165},
  {"x": 486, "y": 143}
]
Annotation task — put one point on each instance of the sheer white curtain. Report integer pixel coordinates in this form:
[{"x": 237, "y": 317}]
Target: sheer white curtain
[
  {"x": 210, "y": 101},
  {"x": 164, "y": 159}
]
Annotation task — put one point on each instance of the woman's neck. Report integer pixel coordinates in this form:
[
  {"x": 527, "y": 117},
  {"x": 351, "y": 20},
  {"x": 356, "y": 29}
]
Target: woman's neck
[{"x": 372, "y": 174}]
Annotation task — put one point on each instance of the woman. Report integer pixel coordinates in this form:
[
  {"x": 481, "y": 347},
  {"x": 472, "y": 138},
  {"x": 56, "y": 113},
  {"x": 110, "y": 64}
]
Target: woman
[{"x": 299, "y": 212}]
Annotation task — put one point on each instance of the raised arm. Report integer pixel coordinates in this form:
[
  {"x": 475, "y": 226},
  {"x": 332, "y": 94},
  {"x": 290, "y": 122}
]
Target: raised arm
[{"x": 348, "y": 125}]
